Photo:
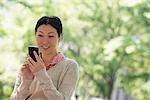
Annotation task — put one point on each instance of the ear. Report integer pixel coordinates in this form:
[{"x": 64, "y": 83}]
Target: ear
[{"x": 61, "y": 37}]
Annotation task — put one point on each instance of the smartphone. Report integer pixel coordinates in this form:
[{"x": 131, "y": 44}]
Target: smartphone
[{"x": 30, "y": 52}]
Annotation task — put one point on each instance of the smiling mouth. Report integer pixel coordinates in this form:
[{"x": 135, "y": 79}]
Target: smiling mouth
[{"x": 45, "y": 47}]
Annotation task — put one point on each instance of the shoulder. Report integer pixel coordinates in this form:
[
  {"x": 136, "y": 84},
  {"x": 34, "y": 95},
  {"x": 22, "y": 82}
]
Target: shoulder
[
  {"x": 69, "y": 63},
  {"x": 72, "y": 67}
]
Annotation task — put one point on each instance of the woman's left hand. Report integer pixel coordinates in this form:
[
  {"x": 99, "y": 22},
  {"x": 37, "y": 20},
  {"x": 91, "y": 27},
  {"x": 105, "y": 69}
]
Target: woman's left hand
[{"x": 35, "y": 66}]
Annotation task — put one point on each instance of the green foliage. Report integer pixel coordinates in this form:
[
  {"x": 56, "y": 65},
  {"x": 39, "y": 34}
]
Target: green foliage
[{"x": 108, "y": 38}]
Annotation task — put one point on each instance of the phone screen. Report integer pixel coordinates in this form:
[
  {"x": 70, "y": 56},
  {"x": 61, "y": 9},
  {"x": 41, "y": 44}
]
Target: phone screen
[{"x": 30, "y": 52}]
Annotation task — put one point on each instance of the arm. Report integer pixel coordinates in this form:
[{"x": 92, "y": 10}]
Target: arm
[
  {"x": 21, "y": 89},
  {"x": 67, "y": 86},
  {"x": 23, "y": 82},
  {"x": 18, "y": 82}
]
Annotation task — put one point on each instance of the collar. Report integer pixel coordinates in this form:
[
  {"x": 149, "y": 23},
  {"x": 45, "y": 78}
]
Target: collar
[{"x": 56, "y": 59}]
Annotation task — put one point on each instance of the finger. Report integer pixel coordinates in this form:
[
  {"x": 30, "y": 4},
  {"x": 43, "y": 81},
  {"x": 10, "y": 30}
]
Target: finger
[
  {"x": 31, "y": 60},
  {"x": 25, "y": 63},
  {"x": 23, "y": 66},
  {"x": 30, "y": 66},
  {"x": 36, "y": 56}
]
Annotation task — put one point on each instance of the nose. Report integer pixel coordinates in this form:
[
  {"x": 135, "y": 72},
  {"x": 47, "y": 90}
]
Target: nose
[{"x": 45, "y": 40}]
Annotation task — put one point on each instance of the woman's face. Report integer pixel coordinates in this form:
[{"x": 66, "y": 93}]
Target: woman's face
[{"x": 47, "y": 39}]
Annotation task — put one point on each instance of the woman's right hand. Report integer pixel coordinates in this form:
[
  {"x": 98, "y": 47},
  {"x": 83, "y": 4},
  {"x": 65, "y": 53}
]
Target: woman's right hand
[{"x": 25, "y": 72}]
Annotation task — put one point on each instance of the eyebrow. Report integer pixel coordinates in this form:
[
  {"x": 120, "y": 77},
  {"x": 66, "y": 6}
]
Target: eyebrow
[{"x": 48, "y": 33}]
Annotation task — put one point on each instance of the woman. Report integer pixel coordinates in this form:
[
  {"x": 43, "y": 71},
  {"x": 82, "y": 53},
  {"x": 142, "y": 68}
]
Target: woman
[{"x": 53, "y": 76}]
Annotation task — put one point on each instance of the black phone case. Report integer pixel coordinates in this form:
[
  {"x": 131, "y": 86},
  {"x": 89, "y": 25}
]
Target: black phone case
[{"x": 30, "y": 52}]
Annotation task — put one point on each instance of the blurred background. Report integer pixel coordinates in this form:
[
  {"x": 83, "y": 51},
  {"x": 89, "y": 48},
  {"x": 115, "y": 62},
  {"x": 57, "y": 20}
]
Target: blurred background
[{"x": 110, "y": 39}]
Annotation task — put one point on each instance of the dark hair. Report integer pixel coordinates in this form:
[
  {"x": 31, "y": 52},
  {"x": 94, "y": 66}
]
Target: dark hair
[{"x": 54, "y": 21}]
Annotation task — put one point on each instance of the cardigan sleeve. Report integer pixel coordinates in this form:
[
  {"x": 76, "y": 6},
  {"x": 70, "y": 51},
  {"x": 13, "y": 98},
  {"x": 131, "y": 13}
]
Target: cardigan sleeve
[
  {"x": 67, "y": 86},
  {"x": 21, "y": 89}
]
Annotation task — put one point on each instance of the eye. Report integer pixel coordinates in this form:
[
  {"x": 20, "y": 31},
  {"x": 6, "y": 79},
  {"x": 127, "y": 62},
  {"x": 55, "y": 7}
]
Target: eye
[
  {"x": 39, "y": 35},
  {"x": 50, "y": 36}
]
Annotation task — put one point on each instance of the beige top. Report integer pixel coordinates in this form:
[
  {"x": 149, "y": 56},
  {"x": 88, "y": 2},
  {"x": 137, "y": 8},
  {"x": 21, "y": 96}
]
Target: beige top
[{"x": 58, "y": 83}]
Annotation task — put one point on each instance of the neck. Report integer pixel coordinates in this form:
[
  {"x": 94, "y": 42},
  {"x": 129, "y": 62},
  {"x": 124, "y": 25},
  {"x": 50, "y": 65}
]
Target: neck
[{"x": 47, "y": 58}]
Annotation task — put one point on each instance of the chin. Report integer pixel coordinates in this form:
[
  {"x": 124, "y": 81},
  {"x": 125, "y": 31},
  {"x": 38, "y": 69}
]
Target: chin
[{"x": 46, "y": 52}]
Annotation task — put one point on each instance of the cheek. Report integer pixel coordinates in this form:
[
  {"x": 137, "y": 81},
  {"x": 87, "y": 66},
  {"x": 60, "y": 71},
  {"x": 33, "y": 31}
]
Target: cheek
[
  {"x": 55, "y": 42},
  {"x": 38, "y": 42}
]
